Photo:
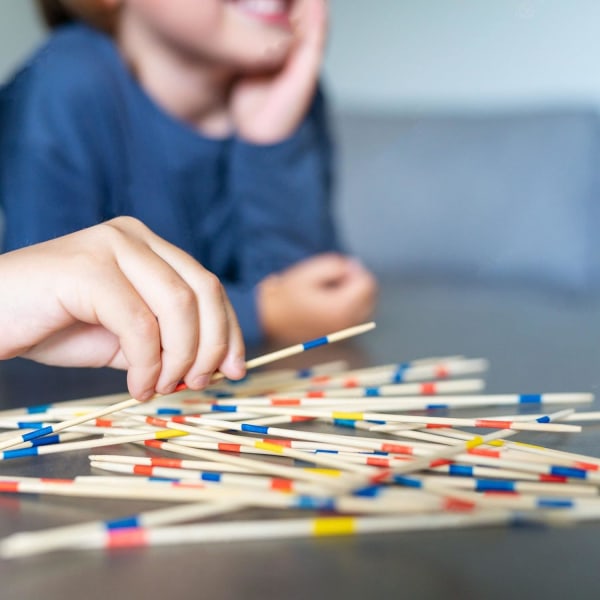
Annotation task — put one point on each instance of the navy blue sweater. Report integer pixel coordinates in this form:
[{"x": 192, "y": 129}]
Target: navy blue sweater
[{"x": 81, "y": 143}]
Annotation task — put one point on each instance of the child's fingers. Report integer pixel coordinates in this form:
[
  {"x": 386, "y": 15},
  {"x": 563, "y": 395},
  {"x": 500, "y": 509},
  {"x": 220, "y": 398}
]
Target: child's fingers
[
  {"x": 121, "y": 296},
  {"x": 189, "y": 304},
  {"x": 323, "y": 269},
  {"x": 214, "y": 332},
  {"x": 176, "y": 308},
  {"x": 173, "y": 302},
  {"x": 311, "y": 20},
  {"x": 234, "y": 366},
  {"x": 217, "y": 321},
  {"x": 356, "y": 287},
  {"x": 122, "y": 311},
  {"x": 305, "y": 62},
  {"x": 355, "y": 297}
]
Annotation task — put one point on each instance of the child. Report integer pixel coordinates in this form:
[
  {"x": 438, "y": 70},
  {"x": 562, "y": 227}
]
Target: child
[
  {"x": 204, "y": 120},
  {"x": 117, "y": 295}
]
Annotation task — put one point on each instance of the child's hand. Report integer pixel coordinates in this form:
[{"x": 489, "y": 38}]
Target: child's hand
[
  {"x": 117, "y": 295},
  {"x": 266, "y": 109},
  {"x": 314, "y": 297}
]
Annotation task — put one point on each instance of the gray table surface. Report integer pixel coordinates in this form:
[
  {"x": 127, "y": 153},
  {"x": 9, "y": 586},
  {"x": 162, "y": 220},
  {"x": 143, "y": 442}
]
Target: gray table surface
[{"x": 535, "y": 342}]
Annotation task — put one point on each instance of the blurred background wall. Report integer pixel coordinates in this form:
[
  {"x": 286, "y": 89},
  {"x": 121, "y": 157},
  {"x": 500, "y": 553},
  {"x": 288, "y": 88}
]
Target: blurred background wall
[
  {"x": 429, "y": 54},
  {"x": 20, "y": 31}
]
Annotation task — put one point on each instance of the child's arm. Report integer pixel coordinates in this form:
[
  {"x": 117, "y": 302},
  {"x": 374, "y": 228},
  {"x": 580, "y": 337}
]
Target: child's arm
[
  {"x": 117, "y": 295},
  {"x": 282, "y": 183},
  {"x": 283, "y": 194}
]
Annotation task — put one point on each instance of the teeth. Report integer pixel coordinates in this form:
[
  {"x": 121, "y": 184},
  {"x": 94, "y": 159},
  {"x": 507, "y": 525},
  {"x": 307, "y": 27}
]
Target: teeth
[{"x": 265, "y": 7}]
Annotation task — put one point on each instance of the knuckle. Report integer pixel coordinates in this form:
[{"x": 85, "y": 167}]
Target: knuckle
[
  {"x": 212, "y": 356},
  {"x": 122, "y": 231},
  {"x": 144, "y": 324},
  {"x": 125, "y": 223},
  {"x": 111, "y": 232},
  {"x": 212, "y": 284},
  {"x": 182, "y": 297}
]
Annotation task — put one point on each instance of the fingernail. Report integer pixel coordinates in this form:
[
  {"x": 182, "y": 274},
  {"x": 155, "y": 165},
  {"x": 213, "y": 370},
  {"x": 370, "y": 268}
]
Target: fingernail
[
  {"x": 200, "y": 382},
  {"x": 240, "y": 364},
  {"x": 235, "y": 367},
  {"x": 170, "y": 388},
  {"x": 146, "y": 395}
]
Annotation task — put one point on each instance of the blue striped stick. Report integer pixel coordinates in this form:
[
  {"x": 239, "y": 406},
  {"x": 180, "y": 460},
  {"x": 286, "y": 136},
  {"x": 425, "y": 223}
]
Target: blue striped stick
[
  {"x": 251, "y": 364},
  {"x": 299, "y": 348}
]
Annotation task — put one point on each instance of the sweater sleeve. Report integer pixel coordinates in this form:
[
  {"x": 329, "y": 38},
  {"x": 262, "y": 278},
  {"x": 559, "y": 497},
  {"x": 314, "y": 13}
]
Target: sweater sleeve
[
  {"x": 282, "y": 194},
  {"x": 45, "y": 197}
]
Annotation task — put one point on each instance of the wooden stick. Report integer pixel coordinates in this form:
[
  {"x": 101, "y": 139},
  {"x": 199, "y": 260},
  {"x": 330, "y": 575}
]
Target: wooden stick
[{"x": 251, "y": 364}]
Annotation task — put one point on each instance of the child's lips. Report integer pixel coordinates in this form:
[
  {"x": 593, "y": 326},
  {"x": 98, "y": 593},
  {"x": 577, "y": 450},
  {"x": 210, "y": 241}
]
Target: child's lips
[{"x": 269, "y": 11}]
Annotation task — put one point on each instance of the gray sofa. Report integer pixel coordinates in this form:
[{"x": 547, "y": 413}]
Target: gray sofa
[{"x": 508, "y": 197}]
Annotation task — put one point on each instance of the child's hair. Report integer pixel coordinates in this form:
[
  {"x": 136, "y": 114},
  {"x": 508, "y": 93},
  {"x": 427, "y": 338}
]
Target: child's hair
[{"x": 93, "y": 12}]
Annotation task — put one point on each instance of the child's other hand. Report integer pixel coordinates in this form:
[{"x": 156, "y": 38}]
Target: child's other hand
[
  {"x": 315, "y": 297},
  {"x": 118, "y": 295},
  {"x": 266, "y": 109}
]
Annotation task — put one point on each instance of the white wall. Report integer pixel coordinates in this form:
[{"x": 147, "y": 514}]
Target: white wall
[
  {"x": 421, "y": 54},
  {"x": 20, "y": 31}
]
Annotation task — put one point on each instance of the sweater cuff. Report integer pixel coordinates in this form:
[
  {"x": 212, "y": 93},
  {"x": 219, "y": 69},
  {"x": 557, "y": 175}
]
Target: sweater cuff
[{"x": 285, "y": 152}]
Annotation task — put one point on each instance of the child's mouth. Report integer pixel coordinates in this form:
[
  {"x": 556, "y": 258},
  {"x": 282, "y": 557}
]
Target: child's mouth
[{"x": 269, "y": 11}]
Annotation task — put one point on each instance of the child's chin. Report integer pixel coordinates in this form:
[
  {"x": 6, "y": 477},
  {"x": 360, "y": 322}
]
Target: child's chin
[{"x": 270, "y": 59}]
